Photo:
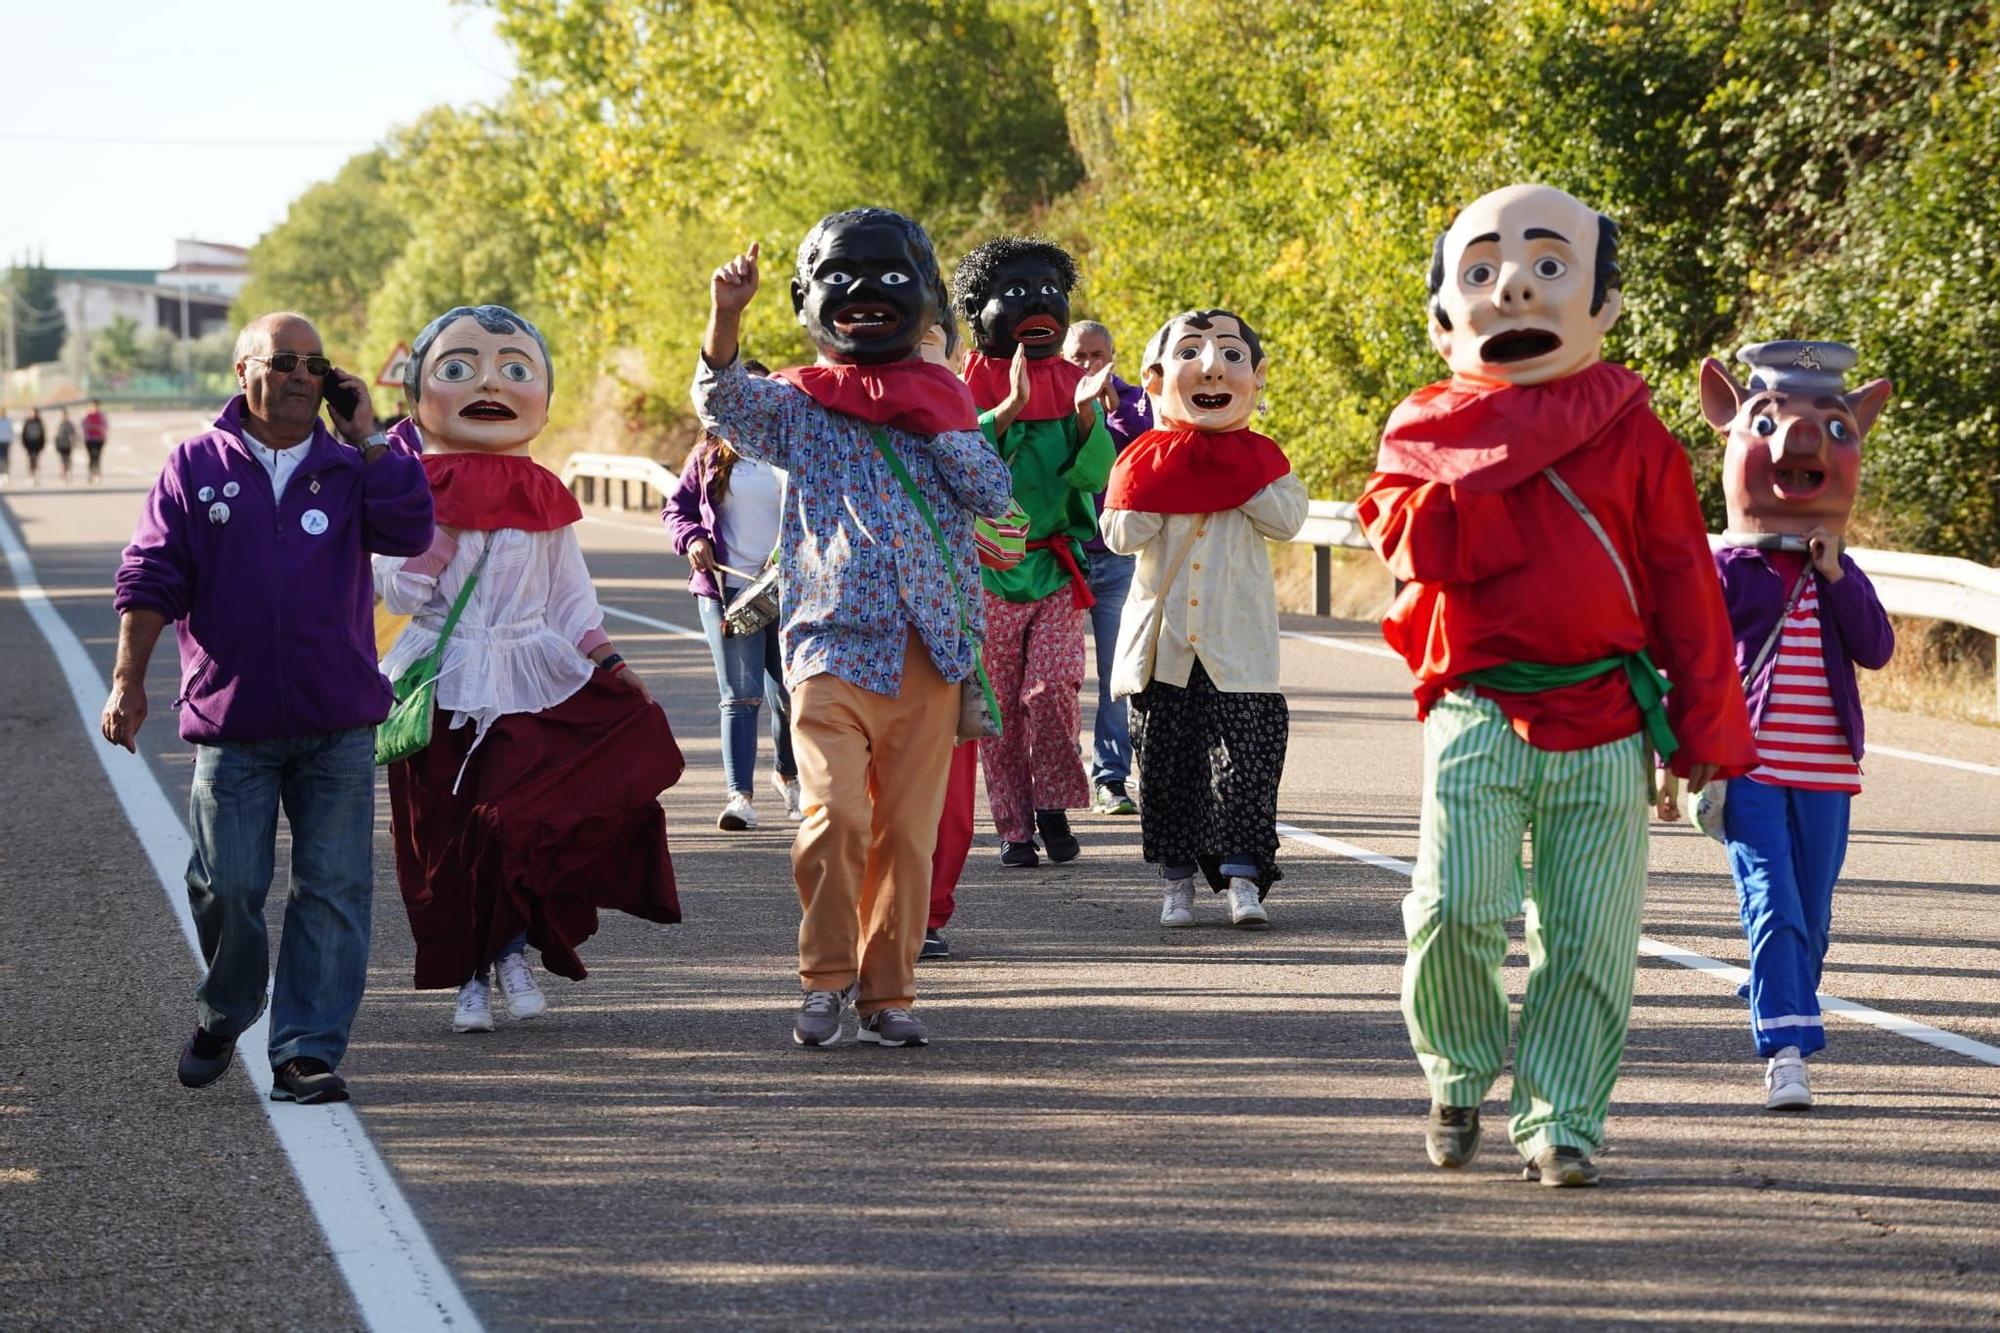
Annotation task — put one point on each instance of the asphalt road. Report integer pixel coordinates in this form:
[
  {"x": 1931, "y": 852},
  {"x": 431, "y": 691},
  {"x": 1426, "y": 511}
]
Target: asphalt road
[{"x": 1116, "y": 1125}]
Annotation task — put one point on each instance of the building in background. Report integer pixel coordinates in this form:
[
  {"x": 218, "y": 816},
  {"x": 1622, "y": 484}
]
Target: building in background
[{"x": 202, "y": 282}]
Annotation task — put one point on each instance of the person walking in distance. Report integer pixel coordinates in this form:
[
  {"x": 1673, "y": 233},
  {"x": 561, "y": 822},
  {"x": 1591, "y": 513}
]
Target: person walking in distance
[
  {"x": 724, "y": 515},
  {"x": 881, "y": 619},
  {"x": 96, "y": 429},
  {"x": 254, "y": 544},
  {"x": 1088, "y": 346},
  {"x": 65, "y": 444},
  {"x": 34, "y": 435}
]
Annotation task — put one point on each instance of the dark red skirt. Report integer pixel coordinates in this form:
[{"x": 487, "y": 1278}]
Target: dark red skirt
[{"x": 557, "y": 815}]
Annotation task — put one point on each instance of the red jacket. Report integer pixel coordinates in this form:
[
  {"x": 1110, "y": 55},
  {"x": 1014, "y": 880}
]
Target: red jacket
[{"x": 1499, "y": 568}]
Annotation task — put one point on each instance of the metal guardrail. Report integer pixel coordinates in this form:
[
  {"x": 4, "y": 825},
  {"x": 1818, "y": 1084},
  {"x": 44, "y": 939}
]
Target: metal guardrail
[{"x": 1929, "y": 587}]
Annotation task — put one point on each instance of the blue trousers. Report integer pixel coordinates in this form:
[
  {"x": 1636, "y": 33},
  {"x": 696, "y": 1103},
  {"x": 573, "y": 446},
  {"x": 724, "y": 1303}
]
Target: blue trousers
[
  {"x": 326, "y": 785},
  {"x": 1786, "y": 846},
  {"x": 750, "y": 673},
  {"x": 1110, "y": 581}
]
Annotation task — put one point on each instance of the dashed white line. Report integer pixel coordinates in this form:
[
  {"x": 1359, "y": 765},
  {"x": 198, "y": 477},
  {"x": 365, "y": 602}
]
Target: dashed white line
[
  {"x": 682, "y": 630},
  {"x": 398, "y": 1278}
]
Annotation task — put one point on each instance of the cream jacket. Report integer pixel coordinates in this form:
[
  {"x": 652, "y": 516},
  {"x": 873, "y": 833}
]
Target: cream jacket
[{"x": 1222, "y": 606}]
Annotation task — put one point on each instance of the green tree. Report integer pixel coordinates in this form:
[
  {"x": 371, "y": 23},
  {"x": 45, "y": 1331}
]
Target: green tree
[
  {"x": 328, "y": 256},
  {"x": 38, "y": 320}
]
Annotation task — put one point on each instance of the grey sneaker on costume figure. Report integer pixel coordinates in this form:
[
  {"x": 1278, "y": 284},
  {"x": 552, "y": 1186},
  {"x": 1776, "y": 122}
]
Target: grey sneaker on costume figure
[
  {"x": 820, "y": 1015},
  {"x": 1452, "y": 1137},
  {"x": 893, "y": 1027},
  {"x": 1561, "y": 1167}
]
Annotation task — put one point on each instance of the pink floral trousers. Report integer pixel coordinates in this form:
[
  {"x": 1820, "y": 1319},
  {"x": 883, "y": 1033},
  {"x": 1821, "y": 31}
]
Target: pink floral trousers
[{"x": 1034, "y": 655}]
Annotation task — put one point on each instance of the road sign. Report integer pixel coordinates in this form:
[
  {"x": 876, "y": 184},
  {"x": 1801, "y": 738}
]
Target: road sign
[{"x": 391, "y": 376}]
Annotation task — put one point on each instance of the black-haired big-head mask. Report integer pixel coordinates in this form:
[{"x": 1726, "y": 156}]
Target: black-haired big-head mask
[
  {"x": 865, "y": 300},
  {"x": 1024, "y": 306}
]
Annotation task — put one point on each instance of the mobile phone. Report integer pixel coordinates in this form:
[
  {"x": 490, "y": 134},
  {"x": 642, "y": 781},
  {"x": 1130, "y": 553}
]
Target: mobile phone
[{"x": 342, "y": 399}]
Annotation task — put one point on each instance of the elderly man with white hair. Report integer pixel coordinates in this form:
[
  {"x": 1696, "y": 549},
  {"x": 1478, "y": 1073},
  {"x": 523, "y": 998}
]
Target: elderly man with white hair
[{"x": 254, "y": 542}]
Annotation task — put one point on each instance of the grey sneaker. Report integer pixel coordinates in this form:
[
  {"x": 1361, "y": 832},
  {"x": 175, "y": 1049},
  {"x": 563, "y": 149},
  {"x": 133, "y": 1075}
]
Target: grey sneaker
[
  {"x": 1452, "y": 1137},
  {"x": 820, "y": 1015},
  {"x": 893, "y": 1027},
  {"x": 1111, "y": 798},
  {"x": 1561, "y": 1167}
]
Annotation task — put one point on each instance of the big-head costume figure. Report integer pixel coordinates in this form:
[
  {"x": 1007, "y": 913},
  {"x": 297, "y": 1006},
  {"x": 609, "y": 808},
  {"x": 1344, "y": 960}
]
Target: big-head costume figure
[
  {"x": 536, "y": 801},
  {"x": 880, "y": 604},
  {"x": 1195, "y": 499},
  {"x": 1803, "y": 616},
  {"x": 1545, "y": 526},
  {"x": 1041, "y": 412}
]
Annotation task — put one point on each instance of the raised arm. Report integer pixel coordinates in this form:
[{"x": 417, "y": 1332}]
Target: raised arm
[
  {"x": 1279, "y": 510},
  {"x": 396, "y": 514},
  {"x": 1090, "y": 468},
  {"x": 972, "y": 472},
  {"x": 1128, "y": 531}
]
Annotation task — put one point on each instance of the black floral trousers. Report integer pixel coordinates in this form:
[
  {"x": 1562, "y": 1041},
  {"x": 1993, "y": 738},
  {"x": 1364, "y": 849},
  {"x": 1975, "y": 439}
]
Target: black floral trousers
[{"x": 1209, "y": 766}]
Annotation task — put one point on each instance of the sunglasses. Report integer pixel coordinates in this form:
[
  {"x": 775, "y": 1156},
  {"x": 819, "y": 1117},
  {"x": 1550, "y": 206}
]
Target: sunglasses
[{"x": 287, "y": 362}]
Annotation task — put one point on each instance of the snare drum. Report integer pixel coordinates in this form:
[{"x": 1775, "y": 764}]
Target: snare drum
[{"x": 756, "y": 606}]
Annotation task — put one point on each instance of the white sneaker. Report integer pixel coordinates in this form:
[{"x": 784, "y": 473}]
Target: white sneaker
[
  {"x": 1244, "y": 908},
  {"x": 1785, "y": 1084},
  {"x": 795, "y": 800},
  {"x": 738, "y": 815},
  {"x": 1177, "y": 906},
  {"x": 475, "y": 1010},
  {"x": 523, "y": 997}
]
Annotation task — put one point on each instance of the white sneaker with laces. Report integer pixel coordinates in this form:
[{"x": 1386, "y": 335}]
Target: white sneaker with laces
[
  {"x": 1245, "y": 909},
  {"x": 517, "y": 986},
  {"x": 795, "y": 801},
  {"x": 475, "y": 1010},
  {"x": 1786, "y": 1087},
  {"x": 1177, "y": 905},
  {"x": 738, "y": 815}
]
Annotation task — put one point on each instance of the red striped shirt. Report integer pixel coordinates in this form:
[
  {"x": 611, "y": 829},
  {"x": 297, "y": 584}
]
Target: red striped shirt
[{"x": 1800, "y": 742}]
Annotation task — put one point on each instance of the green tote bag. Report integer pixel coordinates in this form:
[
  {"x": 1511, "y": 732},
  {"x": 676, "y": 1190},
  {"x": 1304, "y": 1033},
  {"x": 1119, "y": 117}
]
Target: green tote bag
[{"x": 407, "y": 729}]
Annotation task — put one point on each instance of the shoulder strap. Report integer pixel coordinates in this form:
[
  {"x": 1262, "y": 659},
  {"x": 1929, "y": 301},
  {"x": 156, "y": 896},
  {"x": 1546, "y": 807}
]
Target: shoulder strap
[
  {"x": 465, "y": 593},
  {"x": 930, "y": 520},
  {"x": 1597, "y": 531},
  {"x": 1777, "y": 630}
]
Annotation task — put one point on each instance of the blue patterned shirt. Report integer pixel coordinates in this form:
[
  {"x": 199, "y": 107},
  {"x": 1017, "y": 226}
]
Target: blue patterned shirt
[{"x": 860, "y": 564}]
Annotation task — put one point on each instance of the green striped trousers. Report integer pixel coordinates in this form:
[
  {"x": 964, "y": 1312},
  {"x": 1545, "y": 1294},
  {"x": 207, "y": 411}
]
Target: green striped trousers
[{"x": 1484, "y": 790}]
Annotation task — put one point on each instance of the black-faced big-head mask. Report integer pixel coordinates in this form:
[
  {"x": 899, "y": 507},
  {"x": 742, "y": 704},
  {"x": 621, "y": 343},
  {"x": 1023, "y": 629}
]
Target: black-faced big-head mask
[
  {"x": 867, "y": 286},
  {"x": 1015, "y": 292}
]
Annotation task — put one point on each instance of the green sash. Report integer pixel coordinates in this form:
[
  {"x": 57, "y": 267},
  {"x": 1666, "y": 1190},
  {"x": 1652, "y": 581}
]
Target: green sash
[{"x": 1649, "y": 687}]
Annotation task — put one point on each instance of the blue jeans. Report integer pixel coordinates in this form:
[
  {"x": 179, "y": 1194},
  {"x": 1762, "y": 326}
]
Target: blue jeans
[
  {"x": 1786, "y": 846},
  {"x": 326, "y": 784},
  {"x": 749, "y": 672},
  {"x": 1110, "y": 581}
]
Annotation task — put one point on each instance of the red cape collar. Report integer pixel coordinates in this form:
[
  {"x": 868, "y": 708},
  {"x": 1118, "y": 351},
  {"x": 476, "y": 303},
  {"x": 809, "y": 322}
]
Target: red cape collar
[
  {"x": 915, "y": 396},
  {"x": 1182, "y": 471},
  {"x": 1489, "y": 437},
  {"x": 1052, "y": 385},
  {"x": 486, "y": 492}
]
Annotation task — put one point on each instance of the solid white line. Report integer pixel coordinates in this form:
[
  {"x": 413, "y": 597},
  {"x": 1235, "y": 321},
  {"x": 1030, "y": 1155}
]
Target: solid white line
[
  {"x": 1344, "y": 645},
  {"x": 398, "y": 1279},
  {"x": 1735, "y": 976},
  {"x": 668, "y": 626},
  {"x": 1917, "y": 757}
]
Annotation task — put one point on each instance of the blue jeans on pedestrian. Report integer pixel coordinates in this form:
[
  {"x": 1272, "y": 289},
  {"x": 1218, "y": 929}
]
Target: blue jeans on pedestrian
[
  {"x": 1110, "y": 581},
  {"x": 749, "y": 672},
  {"x": 326, "y": 786},
  {"x": 1786, "y": 846}
]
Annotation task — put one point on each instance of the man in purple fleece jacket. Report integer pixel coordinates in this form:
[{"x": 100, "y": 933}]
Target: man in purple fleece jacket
[{"x": 254, "y": 542}]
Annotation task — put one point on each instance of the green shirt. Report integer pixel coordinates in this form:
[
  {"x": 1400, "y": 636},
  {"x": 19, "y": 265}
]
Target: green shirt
[{"x": 1055, "y": 475}]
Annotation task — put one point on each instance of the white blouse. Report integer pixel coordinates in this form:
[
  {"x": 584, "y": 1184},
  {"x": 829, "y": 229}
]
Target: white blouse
[{"x": 514, "y": 647}]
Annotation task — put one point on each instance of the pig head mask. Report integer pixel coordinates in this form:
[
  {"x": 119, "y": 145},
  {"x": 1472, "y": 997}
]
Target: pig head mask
[{"x": 1792, "y": 460}]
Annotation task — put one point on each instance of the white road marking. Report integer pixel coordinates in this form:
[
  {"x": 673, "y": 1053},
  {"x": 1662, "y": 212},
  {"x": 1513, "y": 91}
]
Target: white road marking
[
  {"x": 1918, "y": 757},
  {"x": 1735, "y": 976},
  {"x": 669, "y": 627},
  {"x": 1344, "y": 645},
  {"x": 398, "y": 1279}
]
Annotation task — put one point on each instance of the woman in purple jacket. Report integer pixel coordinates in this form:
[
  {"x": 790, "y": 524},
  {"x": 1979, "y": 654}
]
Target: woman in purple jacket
[{"x": 725, "y": 512}]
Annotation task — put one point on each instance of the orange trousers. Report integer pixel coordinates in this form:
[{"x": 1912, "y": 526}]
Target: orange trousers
[{"x": 872, "y": 771}]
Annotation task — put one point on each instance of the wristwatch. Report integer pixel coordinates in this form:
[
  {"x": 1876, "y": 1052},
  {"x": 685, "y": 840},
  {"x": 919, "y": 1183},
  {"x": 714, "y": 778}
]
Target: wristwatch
[{"x": 374, "y": 447}]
